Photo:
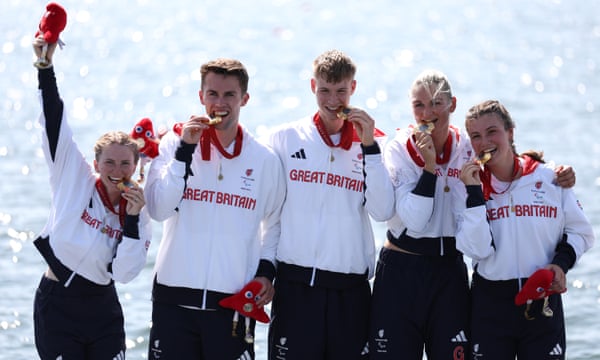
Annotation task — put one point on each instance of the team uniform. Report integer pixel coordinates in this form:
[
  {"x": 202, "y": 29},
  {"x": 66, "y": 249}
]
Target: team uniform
[
  {"x": 422, "y": 299},
  {"x": 326, "y": 252},
  {"x": 527, "y": 225},
  {"x": 87, "y": 247},
  {"x": 221, "y": 227}
]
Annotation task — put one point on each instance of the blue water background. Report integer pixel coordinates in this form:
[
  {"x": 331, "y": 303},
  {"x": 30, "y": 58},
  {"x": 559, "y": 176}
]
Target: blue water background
[{"x": 128, "y": 59}]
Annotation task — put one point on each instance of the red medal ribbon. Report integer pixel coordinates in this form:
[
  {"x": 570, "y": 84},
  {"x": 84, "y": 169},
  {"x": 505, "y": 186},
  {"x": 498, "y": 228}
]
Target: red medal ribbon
[
  {"x": 106, "y": 201},
  {"x": 439, "y": 159},
  {"x": 210, "y": 136},
  {"x": 485, "y": 175},
  {"x": 347, "y": 133}
]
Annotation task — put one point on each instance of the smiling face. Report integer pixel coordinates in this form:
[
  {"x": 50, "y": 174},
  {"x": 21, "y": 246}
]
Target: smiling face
[
  {"x": 330, "y": 98},
  {"x": 491, "y": 131},
  {"x": 115, "y": 163},
  {"x": 429, "y": 105},
  {"x": 222, "y": 96}
]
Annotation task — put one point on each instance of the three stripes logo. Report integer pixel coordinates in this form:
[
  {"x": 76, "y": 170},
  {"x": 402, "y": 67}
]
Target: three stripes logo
[
  {"x": 459, "y": 350},
  {"x": 460, "y": 337},
  {"x": 556, "y": 351},
  {"x": 299, "y": 154},
  {"x": 245, "y": 356}
]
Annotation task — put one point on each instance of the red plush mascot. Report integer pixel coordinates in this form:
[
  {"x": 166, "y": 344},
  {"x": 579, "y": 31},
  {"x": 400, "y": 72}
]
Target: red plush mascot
[
  {"x": 143, "y": 133},
  {"x": 53, "y": 22},
  {"x": 536, "y": 287},
  {"x": 244, "y": 302}
]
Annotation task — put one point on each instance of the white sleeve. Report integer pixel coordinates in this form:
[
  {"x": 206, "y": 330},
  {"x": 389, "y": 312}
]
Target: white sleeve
[
  {"x": 414, "y": 210},
  {"x": 132, "y": 253},
  {"x": 473, "y": 234},
  {"x": 165, "y": 182},
  {"x": 379, "y": 192},
  {"x": 271, "y": 225},
  {"x": 580, "y": 234}
]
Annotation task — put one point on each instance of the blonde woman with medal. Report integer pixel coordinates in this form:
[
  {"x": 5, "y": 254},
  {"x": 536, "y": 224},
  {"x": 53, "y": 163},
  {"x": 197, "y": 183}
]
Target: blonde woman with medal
[
  {"x": 97, "y": 234},
  {"x": 421, "y": 288}
]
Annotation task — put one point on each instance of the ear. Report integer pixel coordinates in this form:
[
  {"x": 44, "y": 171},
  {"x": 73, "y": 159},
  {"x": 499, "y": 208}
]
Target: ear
[
  {"x": 245, "y": 99},
  {"x": 453, "y": 106},
  {"x": 201, "y": 95},
  {"x": 96, "y": 166},
  {"x": 313, "y": 85},
  {"x": 352, "y": 87}
]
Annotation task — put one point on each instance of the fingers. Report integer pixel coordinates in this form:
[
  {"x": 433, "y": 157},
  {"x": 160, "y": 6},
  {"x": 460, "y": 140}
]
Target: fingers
[
  {"x": 192, "y": 129},
  {"x": 38, "y": 44},
  {"x": 135, "y": 200},
  {"x": 559, "y": 283},
  {"x": 565, "y": 176},
  {"x": 43, "y": 50},
  {"x": 469, "y": 174},
  {"x": 424, "y": 143},
  {"x": 266, "y": 293},
  {"x": 364, "y": 125}
]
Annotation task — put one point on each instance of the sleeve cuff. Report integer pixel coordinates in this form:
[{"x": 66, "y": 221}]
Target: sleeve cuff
[
  {"x": 426, "y": 184},
  {"x": 130, "y": 228},
  {"x": 565, "y": 256},
  {"x": 185, "y": 151},
  {"x": 475, "y": 196},
  {"x": 266, "y": 269},
  {"x": 371, "y": 149}
]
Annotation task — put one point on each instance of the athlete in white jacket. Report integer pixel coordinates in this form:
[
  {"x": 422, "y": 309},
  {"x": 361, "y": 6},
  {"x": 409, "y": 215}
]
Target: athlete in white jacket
[
  {"x": 521, "y": 222},
  {"x": 219, "y": 193},
  {"x": 420, "y": 292},
  {"x": 96, "y": 234},
  {"x": 335, "y": 180}
]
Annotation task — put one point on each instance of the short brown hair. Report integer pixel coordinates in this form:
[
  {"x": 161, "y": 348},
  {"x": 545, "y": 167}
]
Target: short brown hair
[
  {"x": 334, "y": 66},
  {"x": 226, "y": 67}
]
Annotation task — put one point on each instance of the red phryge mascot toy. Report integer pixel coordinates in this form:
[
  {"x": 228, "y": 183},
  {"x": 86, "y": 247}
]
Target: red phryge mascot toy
[
  {"x": 244, "y": 302},
  {"x": 53, "y": 22},
  {"x": 143, "y": 133},
  {"x": 536, "y": 287}
]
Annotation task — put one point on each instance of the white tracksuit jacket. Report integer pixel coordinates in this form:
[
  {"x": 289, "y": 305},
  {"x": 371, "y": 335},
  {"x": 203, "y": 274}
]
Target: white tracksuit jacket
[
  {"x": 215, "y": 231},
  {"x": 325, "y": 220},
  {"x": 425, "y": 216},
  {"x": 83, "y": 233},
  {"x": 525, "y": 224}
]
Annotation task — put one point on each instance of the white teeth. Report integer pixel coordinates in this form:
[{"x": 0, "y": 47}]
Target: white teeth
[{"x": 220, "y": 113}]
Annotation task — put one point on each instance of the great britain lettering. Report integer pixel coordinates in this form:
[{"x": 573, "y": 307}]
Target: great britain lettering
[
  {"x": 96, "y": 224},
  {"x": 522, "y": 210},
  {"x": 322, "y": 177},
  {"x": 221, "y": 198}
]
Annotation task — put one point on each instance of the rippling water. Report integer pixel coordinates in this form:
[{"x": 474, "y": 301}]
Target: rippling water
[{"x": 129, "y": 59}]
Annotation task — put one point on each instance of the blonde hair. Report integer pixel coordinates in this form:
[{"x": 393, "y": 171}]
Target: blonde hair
[
  {"x": 116, "y": 137},
  {"x": 434, "y": 81}
]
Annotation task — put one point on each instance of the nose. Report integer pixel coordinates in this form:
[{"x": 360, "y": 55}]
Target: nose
[{"x": 428, "y": 112}]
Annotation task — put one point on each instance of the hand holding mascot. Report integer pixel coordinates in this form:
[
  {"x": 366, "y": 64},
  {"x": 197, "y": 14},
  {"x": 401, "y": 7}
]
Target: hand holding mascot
[{"x": 53, "y": 22}]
